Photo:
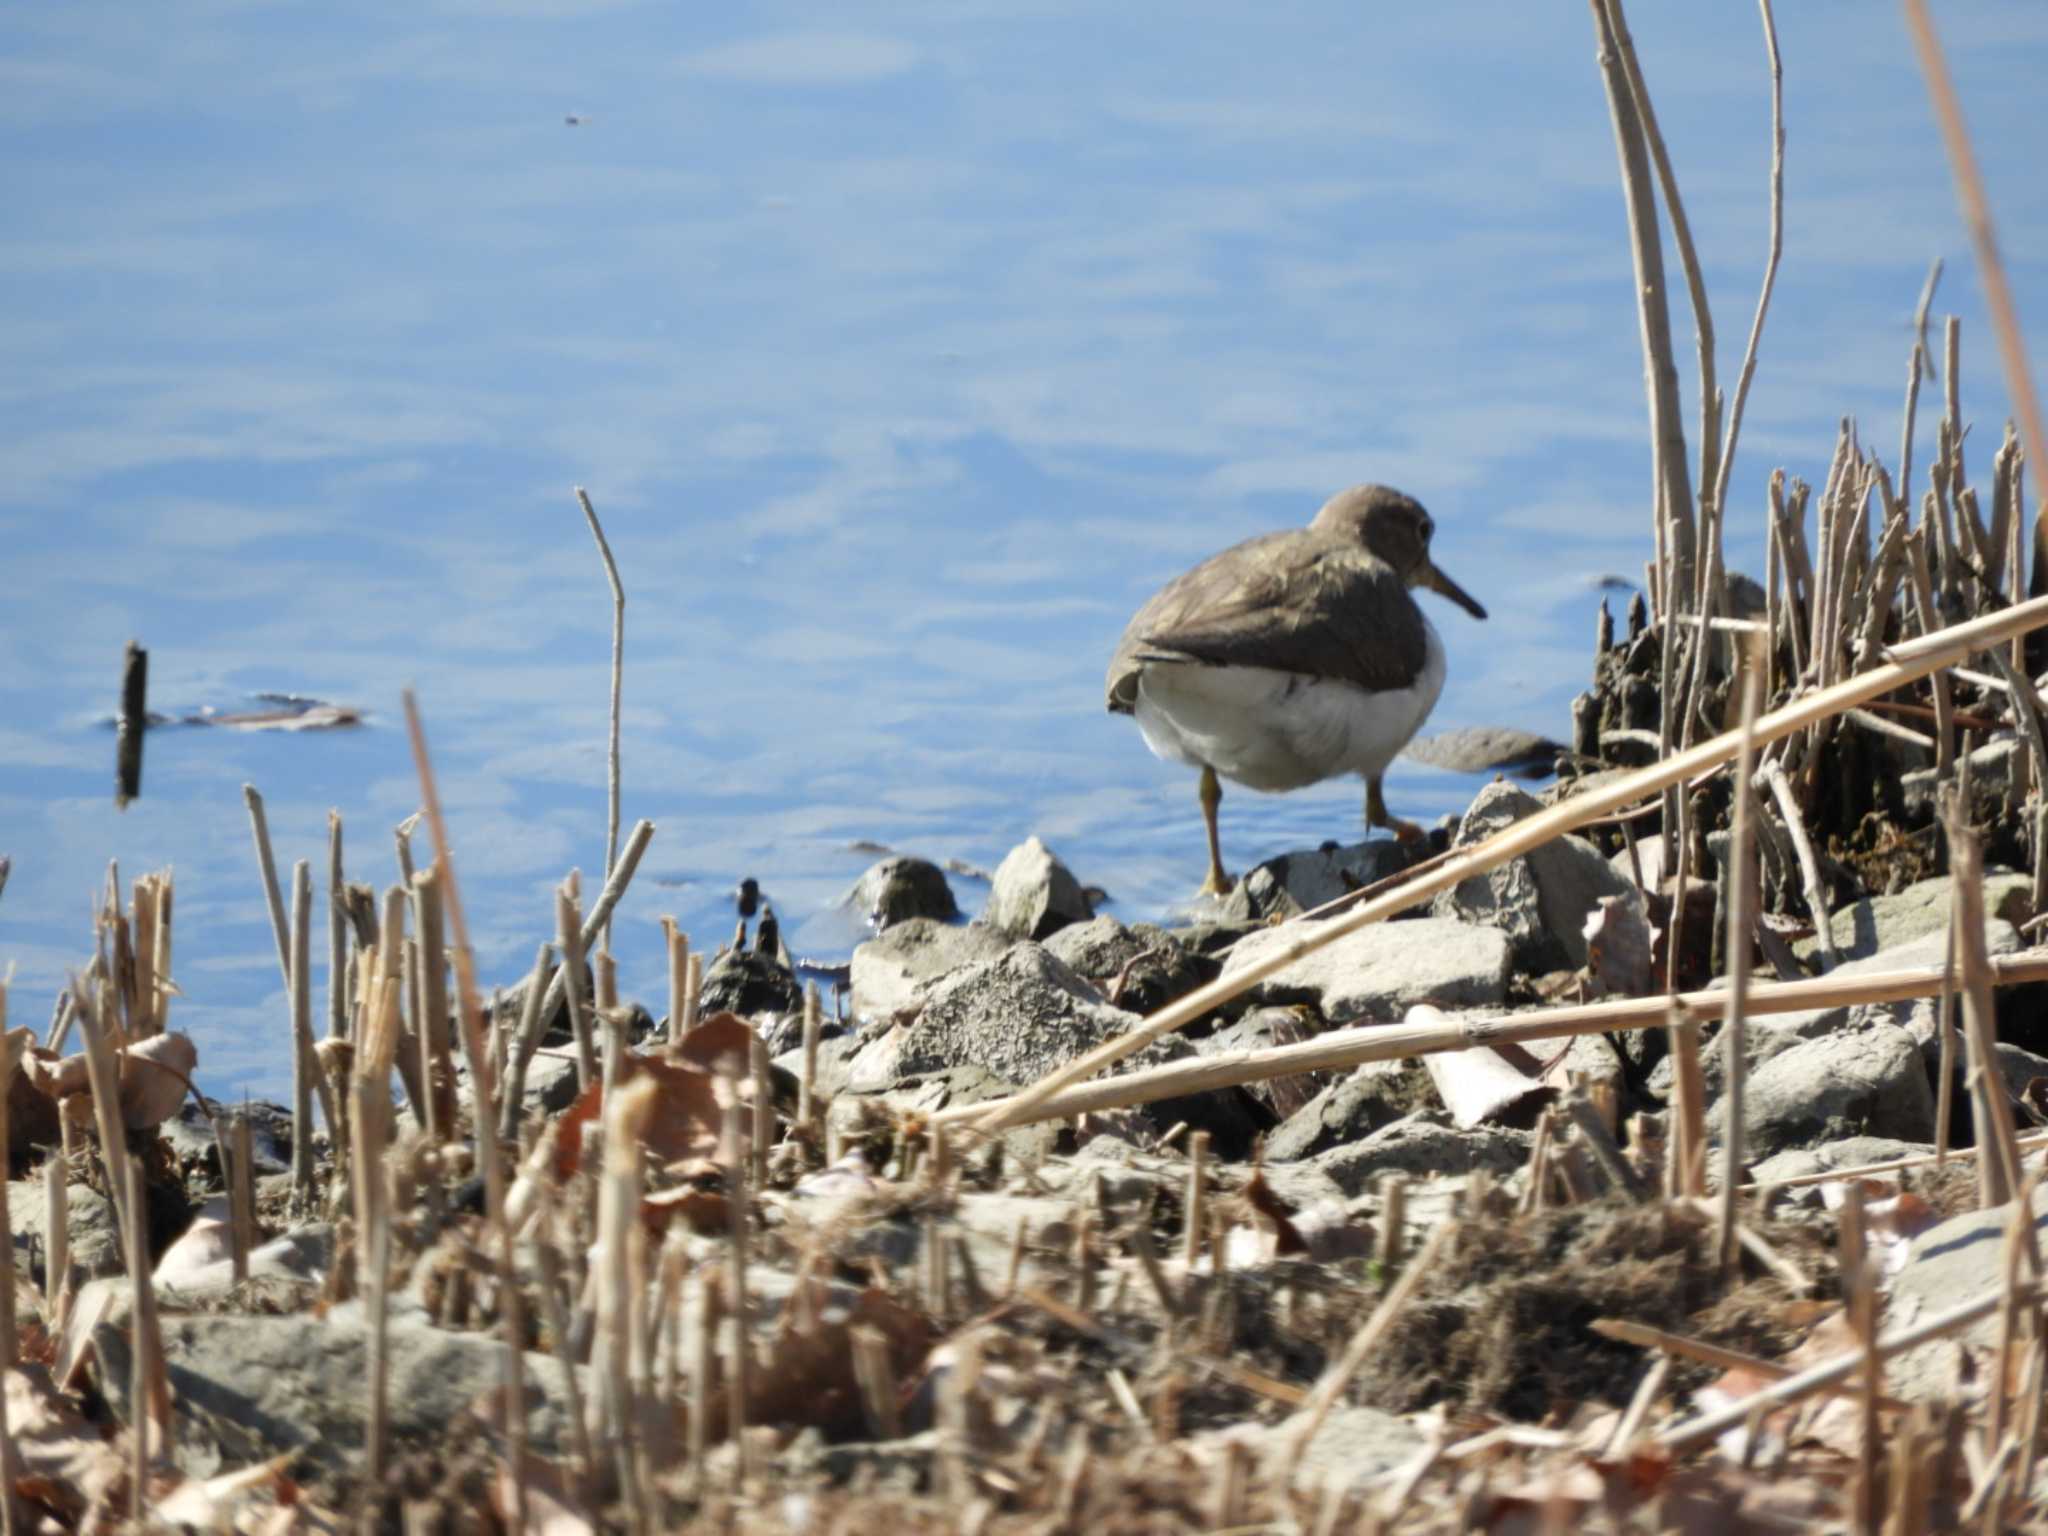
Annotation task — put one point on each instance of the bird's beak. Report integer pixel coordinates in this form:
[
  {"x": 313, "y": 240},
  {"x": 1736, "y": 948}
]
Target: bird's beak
[{"x": 1437, "y": 581}]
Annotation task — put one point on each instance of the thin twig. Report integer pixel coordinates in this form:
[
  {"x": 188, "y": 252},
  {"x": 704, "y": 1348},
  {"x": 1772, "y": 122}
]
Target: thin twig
[{"x": 611, "y": 573}]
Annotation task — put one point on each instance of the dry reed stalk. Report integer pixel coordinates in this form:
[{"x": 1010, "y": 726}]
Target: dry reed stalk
[
  {"x": 151, "y": 1389},
  {"x": 2036, "y": 1142},
  {"x": 619, "y": 1294},
  {"x": 1672, "y": 487},
  {"x": 57, "y": 1227},
  {"x": 305, "y": 1071},
  {"x": 401, "y": 838},
  {"x": 1860, "y": 1288},
  {"x": 1688, "y": 1102},
  {"x": 737, "y": 1375},
  {"x": 1194, "y": 1208},
  {"x": 807, "y": 1084},
  {"x": 1998, "y": 1174},
  {"x": 525, "y": 1041},
  {"x": 761, "y": 1116},
  {"x": 1976, "y": 209},
  {"x": 875, "y": 1374},
  {"x": 676, "y": 945},
  {"x": 242, "y": 1194},
  {"x": 1705, "y": 1427},
  {"x": 569, "y": 937},
  {"x": 1356, "y": 1045},
  {"x": 1536, "y": 1172},
  {"x": 337, "y": 938},
  {"x": 557, "y": 1312},
  {"x": 143, "y": 905},
  {"x": 95, "y": 1026},
  {"x": 266, "y": 867},
  {"x": 1393, "y": 1222},
  {"x": 599, "y": 916},
  {"x": 437, "y": 1045},
  {"x": 704, "y": 1371},
  {"x": 693, "y": 992},
  {"x": 611, "y": 573},
  {"x": 1734, "y": 1028},
  {"x": 1625, "y": 1331},
  {"x": 1911, "y": 661},
  {"x": 1337, "y": 1375},
  {"x": 489, "y": 1154},
  {"x": 1600, "y": 1141}
]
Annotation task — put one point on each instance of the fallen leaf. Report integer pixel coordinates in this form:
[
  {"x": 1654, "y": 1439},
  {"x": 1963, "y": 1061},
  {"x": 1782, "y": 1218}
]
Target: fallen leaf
[{"x": 155, "y": 1074}]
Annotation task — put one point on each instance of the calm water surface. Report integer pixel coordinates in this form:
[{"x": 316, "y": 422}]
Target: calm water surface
[{"x": 904, "y": 356}]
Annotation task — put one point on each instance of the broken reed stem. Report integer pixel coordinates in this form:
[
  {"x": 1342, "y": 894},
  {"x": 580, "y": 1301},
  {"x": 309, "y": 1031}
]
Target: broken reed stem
[
  {"x": 611, "y": 573},
  {"x": 305, "y": 1070},
  {"x": 57, "y": 1223},
  {"x": 150, "y": 1389},
  {"x": 1337, "y": 1376},
  {"x": 1688, "y": 1102},
  {"x": 1976, "y": 210},
  {"x": 1354, "y": 1046},
  {"x": 1911, "y": 661},
  {"x": 1998, "y": 1174},
  {"x": 740, "y": 1369},
  {"x": 761, "y": 1111},
  {"x": 435, "y": 1032},
  {"x": 569, "y": 935},
  {"x": 551, "y": 1287},
  {"x": 95, "y": 1024},
  {"x": 1194, "y": 1209},
  {"x": 266, "y": 867},
  {"x": 525, "y": 1041},
  {"x": 337, "y": 938},
  {"x": 1734, "y": 1030},
  {"x": 596, "y": 919},
  {"x": 626, "y": 1113},
  {"x": 807, "y": 1084},
  {"x": 242, "y": 1193},
  {"x": 1773, "y": 774},
  {"x": 1642, "y": 1335},
  {"x": 676, "y": 944}
]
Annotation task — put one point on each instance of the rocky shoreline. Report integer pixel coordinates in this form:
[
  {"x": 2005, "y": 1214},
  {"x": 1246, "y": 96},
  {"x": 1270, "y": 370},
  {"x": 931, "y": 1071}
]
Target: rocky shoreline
[{"x": 1301, "y": 1297}]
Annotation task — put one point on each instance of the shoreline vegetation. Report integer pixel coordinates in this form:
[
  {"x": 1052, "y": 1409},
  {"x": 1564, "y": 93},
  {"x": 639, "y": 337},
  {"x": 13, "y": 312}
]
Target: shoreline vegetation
[{"x": 1663, "y": 1150}]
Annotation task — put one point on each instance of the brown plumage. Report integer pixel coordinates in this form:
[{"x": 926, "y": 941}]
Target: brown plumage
[{"x": 1292, "y": 656}]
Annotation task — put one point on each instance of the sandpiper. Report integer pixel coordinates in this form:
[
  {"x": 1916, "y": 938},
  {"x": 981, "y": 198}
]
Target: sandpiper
[{"x": 1293, "y": 657}]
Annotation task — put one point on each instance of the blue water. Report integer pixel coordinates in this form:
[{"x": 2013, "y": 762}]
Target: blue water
[{"x": 903, "y": 356}]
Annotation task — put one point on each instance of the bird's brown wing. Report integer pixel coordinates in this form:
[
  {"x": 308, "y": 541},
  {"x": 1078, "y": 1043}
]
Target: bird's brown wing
[{"x": 1292, "y": 602}]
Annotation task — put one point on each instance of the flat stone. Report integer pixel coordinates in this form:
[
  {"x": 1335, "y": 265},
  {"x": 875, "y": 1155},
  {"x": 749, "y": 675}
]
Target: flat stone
[
  {"x": 1958, "y": 1262},
  {"x": 1302, "y": 880},
  {"x": 890, "y": 971},
  {"x": 1153, "y": 966},
  {"x": 1380, "y": 972},
  {"x": 1541, "y": 900},
  {"x": 249, "y": 1388},
  {"x": 1991, "y": 777},
  {"x": 1870, "y": 1082},
  {"x": 1423, "y": 1145},
  {"x": 90, "y": 1226},
  {"x": 1849, "y": 1152},
  {"x": 1371, "y": 1098},
  {"x": 1262, "y": 1029},
  {"x": 1865, "y": 927},
  {"x": 1033, "y": 894},
  {"x": 2000, "y": 938}
]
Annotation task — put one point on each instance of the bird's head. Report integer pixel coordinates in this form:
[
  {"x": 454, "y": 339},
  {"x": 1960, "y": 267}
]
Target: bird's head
[{"x": 1396, "y": 529}]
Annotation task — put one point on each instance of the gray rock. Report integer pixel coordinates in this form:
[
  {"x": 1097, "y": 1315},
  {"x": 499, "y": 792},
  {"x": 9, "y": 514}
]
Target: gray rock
[
  {"x": 252, "y": 1387},
  {"x": 95, "y": 1247},
  {"x": 1018, "y": 1017},
  {"x": 190, "y": 1134},
  {"x": 1991, "y": 779},
  {"x": 900, "y": 888},
  {"x": 1370, "y": 1099},
  {"x": 1867, "y": 1083},
  {"x": 1487, "y": 749},
  {"x": 1033, "y": 894},
  {"x": 1863, "y": 928},
  {"x": 1262, "y": 1029},
  {"x": 1423, "y": 1144},
  {"x": 1541, "y": 900},
  {"x": 1353, "y": 1447},
  {"x": 1154, "y": 968},
  {"x": 1305, "y": 879},
  {"x": 891, "y": 969},
  {"x": 1958, "y": 1262},
  {"x": 1914, "y": 1014},
  {"x": 1382, "y": 971},
  {"x": 1850, "y": 1152}
]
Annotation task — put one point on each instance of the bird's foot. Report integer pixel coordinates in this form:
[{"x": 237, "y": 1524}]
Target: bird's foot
[
  {"x": 1217, "y": 884},
  {"x": 1406, "y": 832}
]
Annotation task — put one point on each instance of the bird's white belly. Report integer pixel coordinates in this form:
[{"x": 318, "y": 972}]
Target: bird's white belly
[{"x": 1280, "y": 730}]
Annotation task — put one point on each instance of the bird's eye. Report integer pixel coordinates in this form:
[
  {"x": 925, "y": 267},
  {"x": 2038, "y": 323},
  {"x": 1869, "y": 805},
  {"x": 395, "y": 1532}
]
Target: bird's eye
[{"x": 1428, "y": 528}]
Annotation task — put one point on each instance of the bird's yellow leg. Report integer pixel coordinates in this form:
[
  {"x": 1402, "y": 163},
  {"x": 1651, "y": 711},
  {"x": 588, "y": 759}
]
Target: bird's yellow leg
[
  {"x": 1210, "y": 793},
  {"x": 1376, "y": 815}
]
